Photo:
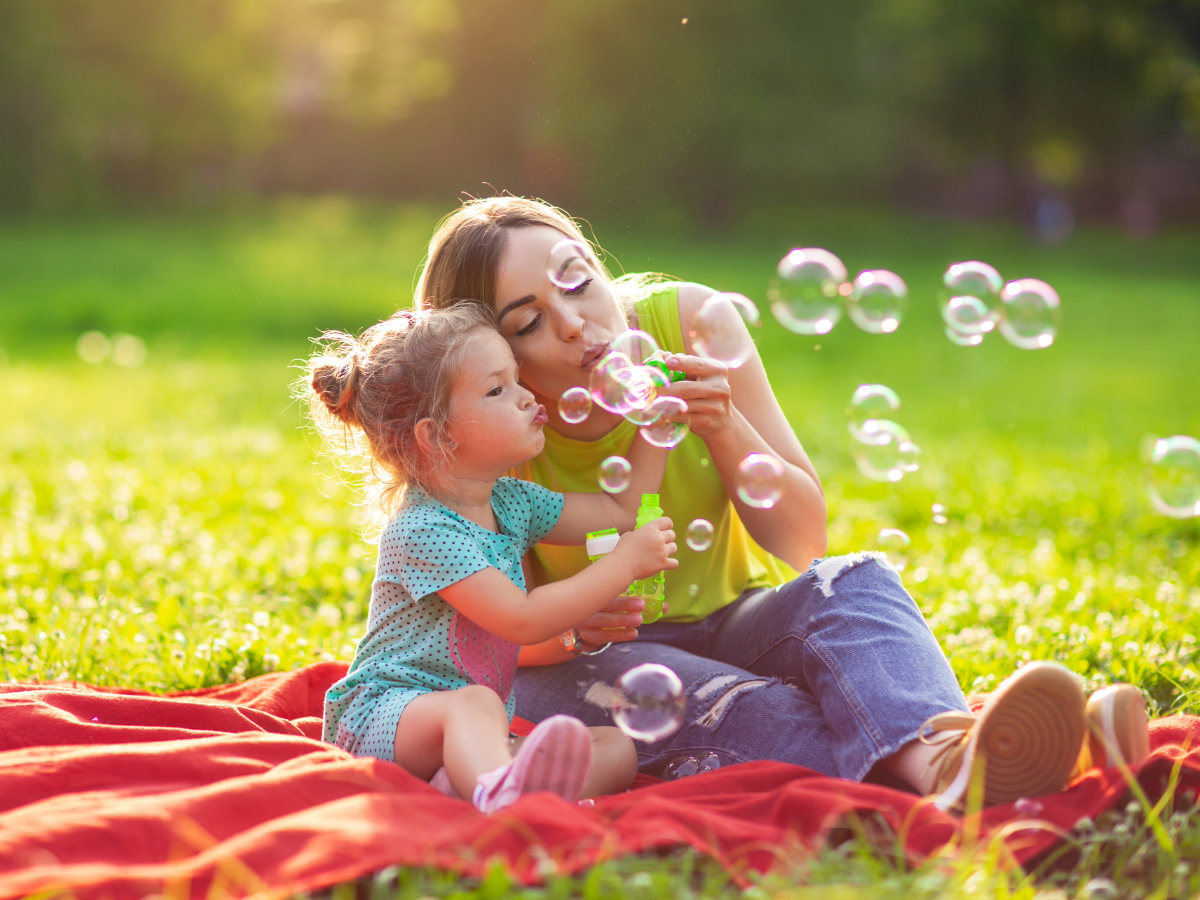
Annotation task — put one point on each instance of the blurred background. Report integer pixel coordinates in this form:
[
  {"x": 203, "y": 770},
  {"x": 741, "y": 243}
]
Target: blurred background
[{"x": 672, "y": 113}]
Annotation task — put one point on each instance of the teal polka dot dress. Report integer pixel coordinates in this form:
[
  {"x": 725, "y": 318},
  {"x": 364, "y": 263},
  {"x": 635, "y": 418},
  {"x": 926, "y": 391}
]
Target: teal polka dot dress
[{"x": 416, "y": 642}]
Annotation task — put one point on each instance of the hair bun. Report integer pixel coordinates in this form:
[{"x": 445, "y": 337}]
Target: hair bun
[{"x": 335, "y": 382}]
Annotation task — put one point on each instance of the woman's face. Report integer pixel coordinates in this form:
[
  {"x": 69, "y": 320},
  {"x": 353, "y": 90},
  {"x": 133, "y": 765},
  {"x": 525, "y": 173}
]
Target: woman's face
[{"x": 557, "y": 335}]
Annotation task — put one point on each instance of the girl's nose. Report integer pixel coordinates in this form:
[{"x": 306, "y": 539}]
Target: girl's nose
[{"x": 526, "y": 395}]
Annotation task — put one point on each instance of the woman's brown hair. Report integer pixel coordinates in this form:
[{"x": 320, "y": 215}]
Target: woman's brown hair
[{"x": 465, "y": 251}]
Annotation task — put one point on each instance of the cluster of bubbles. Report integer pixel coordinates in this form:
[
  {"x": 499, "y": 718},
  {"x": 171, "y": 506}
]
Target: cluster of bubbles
[
  {"x": 811, "y": 287},
  {"x": 126, "y": 350},
  {"x": 649, "y": 703},
  {"x": 883, "y": 449},
  {"x": 975, "y": 301},
  {"x": 1174, "y": 476}
]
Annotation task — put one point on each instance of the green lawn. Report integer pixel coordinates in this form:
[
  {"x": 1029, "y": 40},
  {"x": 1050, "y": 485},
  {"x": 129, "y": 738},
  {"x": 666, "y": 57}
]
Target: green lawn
[{"x": 166, "y": 527}]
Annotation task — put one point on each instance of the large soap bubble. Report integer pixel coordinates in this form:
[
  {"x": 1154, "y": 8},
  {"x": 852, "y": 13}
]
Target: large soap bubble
[
  {"x": 1030, "y": 314},
  {"x": 878, "y": 301},
  {"x": 575, "y": 405},
  {"x": 870, "y": 401},
  {"x": 649, "y": 703},
  {"x": 609, "y": 384},
  {"x": 1175, "y": 476},
  {"x": 637, "y": 345},
  {"x": 568, "y": 266},
  {"x": 760, "y": 480},
  {"x": 885, "y": 452},
  {"x": 720, "y": 329},
  {"x": 806, "y": 297}
]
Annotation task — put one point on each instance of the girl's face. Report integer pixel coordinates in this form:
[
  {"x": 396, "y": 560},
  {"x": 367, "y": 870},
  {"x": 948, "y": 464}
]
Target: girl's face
[
  {"x": 495, "y": 422},
  {"x": 557, "y": 335}
]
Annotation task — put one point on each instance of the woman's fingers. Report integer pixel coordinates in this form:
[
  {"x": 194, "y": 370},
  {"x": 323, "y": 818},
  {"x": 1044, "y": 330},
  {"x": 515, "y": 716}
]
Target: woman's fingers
[
  {"x": 600, "y": 636},
  {"x": 696, "y": 366}
]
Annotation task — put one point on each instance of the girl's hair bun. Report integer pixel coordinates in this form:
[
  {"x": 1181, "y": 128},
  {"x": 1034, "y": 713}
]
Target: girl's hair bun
[{"x": 335, "y": 380}]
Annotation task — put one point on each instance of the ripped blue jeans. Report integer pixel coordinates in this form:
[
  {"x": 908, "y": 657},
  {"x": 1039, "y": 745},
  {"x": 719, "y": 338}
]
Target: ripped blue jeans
[{"x": 834, "y": 671}]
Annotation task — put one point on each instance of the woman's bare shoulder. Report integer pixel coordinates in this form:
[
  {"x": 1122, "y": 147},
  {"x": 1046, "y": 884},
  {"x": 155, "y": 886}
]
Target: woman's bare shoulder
[{"x": 691, "y": 296}]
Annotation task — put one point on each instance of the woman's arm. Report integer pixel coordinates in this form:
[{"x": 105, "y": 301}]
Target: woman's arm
[
  {"x": 736, "y": 413},
  {"x": 583, "y": 513},
  {"x": 491, "y": 601}
]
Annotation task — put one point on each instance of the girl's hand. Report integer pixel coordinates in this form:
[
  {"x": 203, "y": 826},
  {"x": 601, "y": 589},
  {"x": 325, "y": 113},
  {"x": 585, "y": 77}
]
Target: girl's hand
[
  {"x": 706, "y": 392},
  {"x": 647, "y": 550}
]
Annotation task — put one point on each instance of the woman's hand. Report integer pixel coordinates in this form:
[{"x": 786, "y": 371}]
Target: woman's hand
[{"x": 706, "y": 392}]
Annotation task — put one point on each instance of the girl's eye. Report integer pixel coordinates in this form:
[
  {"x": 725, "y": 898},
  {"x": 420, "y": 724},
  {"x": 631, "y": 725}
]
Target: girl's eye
[{"x": 496, "y": 391}]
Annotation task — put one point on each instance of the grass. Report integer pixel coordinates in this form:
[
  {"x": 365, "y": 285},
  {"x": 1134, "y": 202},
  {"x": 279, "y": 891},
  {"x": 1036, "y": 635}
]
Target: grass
[{"x": 166, "y": 527}]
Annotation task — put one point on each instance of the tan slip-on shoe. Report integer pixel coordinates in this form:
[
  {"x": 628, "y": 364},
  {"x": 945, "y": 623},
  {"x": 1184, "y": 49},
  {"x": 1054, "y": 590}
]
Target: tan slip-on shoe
[
  {"x": 1027, "y": 735},
  {"x": 1118, "y": 729}
]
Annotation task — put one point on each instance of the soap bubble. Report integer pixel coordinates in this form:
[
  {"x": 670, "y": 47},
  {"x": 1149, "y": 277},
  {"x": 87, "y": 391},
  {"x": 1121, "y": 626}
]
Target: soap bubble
[
  {"x": 1027, "y": 808},
  {"x": 637, "y": 345},
  {"x": 720, "y": 329},
  {"x": 870, "y": 401},
  {"x": 575, "y": 405},
  {"x": 1031, "y": 314},
  {"x": 645, "y": 384},
  {"x": 614, "y": 474},
  {"x": 969, "y": 301},
  {"x": 1099, "y": 889},
  {"x": 568, "y": 265},
  {"x": 693, "y": 590},
  {"x": 760, "y": 480},
  {"x": 700, "y": 535},
  {"x": 806, "y": 297},
  {"x": 896, "y": 544},
  {"x": 686, "y": 766},
  {"x": 939, "y": 514},
  {"x": 885, "y": 452},
  {"x": 608, "y": 383},
  {"x": 963, "y": 340},
  {"x": 878, "y": 301},
  {"x": 93, "y": 347},
  {"x": 650, "y": 703},
  {"x": 1175, "y": 477},
  {"x": 670, "y": 425}
]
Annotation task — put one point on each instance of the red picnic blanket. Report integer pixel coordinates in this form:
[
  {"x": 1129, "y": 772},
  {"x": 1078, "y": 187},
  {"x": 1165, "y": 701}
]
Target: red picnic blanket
[{"x": 115, "y": 793}]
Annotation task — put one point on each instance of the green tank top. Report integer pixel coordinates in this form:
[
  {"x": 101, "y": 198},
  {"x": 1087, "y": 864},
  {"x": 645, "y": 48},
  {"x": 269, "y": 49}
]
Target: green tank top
[{"x": 691, "y": 489}]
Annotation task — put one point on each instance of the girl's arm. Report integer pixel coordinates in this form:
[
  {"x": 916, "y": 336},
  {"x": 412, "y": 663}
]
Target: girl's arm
[
  {"x": 498, "y": 606},
  {"x": 736, "y": 414},
  {"x": 583, "y": 513}
]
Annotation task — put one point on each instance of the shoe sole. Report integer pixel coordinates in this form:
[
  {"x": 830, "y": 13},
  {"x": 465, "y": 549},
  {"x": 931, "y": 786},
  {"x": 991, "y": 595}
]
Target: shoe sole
[
  {"x": 1118, "y": 727},
  {"x": 556, "y": 757},
  {"x": 1030, "y": 732}
]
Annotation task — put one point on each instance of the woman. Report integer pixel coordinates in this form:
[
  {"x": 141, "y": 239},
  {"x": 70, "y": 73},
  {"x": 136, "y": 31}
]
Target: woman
[{"x": 834, "y": 669}]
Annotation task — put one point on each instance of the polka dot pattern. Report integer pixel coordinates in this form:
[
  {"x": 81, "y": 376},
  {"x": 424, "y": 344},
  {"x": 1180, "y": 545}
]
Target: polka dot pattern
[{"x": 416, "y": 642}]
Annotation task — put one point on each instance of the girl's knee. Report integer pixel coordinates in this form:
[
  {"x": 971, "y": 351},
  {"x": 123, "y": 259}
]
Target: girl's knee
[
  {"x": 477, "y": 697},
  {"x": 614, "y": 761}
]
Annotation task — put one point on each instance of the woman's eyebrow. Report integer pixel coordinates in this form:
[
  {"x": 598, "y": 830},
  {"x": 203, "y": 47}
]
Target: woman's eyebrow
[{"x": 514, "y": 305}]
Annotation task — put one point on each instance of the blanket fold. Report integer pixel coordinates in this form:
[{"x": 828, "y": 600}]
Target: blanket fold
[{"x": 118, "y": 793}]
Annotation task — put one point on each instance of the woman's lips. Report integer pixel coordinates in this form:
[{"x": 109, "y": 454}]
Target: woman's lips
[
  {"x": 539, "y": 415},
  {"x": 593, "y": 355}
]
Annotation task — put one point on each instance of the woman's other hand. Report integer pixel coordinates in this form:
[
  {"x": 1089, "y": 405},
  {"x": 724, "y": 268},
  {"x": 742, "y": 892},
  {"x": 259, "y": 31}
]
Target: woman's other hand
[
  {"x": 706, "y": 392},
  {"x": 617, "y": 622}
]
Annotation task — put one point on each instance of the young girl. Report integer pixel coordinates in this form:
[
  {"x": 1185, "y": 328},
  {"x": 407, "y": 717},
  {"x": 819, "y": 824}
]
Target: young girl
[{"x": 430, "y": 404}]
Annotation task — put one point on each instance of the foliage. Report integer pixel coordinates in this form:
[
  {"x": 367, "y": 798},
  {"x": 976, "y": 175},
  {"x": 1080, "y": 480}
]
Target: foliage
[
  {"x": 706, "y": 108},
  {"x": 165, "y": 526}
]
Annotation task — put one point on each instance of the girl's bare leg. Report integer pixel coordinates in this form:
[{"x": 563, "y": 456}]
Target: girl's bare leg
[
  {"x": 465, "y": 730},
  {"x": 614, "y": 761}
]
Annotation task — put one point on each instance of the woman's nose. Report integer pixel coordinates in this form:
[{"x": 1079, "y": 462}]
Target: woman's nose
[{"x": 568, "y": 319}]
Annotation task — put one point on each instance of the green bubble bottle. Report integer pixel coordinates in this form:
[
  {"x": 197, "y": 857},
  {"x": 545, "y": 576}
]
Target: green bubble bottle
[{"x": 652, "y": 589}]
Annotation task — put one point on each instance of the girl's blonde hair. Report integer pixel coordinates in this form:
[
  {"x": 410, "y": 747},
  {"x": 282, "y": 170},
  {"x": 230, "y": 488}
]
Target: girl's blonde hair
[
  {"x": 366, "y": 395},
  {"x": 465, "y": 252}
]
